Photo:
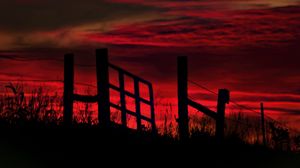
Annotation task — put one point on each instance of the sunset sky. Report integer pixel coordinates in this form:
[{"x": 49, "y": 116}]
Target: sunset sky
[{"x": 251, "y": 47}]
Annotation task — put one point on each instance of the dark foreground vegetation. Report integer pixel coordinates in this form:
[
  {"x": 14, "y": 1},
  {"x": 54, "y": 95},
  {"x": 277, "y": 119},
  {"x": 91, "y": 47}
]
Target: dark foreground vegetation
[
  {"x": 85, "y": 146},
  {"x": 32, "y": 135}
]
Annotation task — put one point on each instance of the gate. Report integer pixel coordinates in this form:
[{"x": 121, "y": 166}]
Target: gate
[{"x": 103, "y": 95}]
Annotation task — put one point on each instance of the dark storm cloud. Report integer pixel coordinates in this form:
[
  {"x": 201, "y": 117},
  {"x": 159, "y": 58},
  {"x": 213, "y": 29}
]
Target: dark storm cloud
[{"x": 20, "y": 16}]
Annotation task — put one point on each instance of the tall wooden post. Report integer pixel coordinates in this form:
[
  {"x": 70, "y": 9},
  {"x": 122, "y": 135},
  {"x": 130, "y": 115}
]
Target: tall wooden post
[
  {"x": 122, "y": 99},
  {"x": 263, "y": 124},
  {"x": 103, "y": 87},
  {"x": 154, "y": 130},
  {"x": 223, "y": 99},
  {"x": 137, "y": 104},
  {"x": 182, "y": 79},
  {"x": 68, "y": 89}
]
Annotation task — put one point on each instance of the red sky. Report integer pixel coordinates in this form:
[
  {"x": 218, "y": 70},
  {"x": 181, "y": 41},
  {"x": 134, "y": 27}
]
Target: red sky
[{"x": 250, "y": 47}]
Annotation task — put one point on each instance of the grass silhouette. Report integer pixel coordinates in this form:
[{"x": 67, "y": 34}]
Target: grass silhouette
[{"x": 31, "y": 126}]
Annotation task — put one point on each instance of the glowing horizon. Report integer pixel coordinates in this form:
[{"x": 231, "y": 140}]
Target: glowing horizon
[{"x": 249, "y": 47}]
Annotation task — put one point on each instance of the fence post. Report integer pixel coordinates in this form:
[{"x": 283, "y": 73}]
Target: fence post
[
  {"x": 223, "y": 99},
  {"x": 137, "y": 104},
  {"x": 68, "y": 89},
  {"x": 182, "y": 79},
  {"x": 122, "y": 98},
  {"x": 263, "y": 123},
  {"x": 152, "y": 109},
  {"x": 103, "y": 87}
]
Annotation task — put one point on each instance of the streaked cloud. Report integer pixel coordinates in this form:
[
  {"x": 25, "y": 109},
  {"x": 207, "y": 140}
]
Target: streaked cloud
[
  {"x": 22, "y": 16},
  {"x": 250, "y": 47},
  {"x": 26, "y": 24}
]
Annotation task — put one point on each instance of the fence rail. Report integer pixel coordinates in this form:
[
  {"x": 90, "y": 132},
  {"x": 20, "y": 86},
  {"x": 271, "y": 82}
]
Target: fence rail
[
  {"x": 184, "y": 102},
  {"x": 103, "y": 93},
  {"x": 136, "y": 95}
]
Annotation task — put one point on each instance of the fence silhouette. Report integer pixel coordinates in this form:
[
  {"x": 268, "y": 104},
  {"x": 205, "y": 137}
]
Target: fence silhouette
[
  {"x": 103, "y": 94},
  {"x": 275, "y": 128},
  {"x": 184, "y": 100}
]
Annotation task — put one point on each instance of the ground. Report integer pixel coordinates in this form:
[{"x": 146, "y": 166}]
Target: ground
[{"x": 95, "y": 147}]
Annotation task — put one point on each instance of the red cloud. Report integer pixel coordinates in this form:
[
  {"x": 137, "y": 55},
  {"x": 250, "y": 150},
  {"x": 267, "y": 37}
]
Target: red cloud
[
  {"x": 224, "y": 49},
  {"x": 239, "y": 28}
]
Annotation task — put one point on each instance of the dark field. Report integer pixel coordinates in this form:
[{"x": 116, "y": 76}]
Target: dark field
[{"x": 95, "y": 147}]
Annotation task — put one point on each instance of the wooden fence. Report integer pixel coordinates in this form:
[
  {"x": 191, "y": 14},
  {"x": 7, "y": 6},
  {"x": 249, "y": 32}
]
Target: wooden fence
[
  {"x": 103, "y": 93},
  {"x": 184, "y": 102},
  {"x": 104, "y": 104}
]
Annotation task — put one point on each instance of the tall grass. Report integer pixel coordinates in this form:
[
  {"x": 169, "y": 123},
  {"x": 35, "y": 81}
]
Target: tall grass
[
  {"x": 20, "y": 109},
  {"x": 247, "y": 129}
]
